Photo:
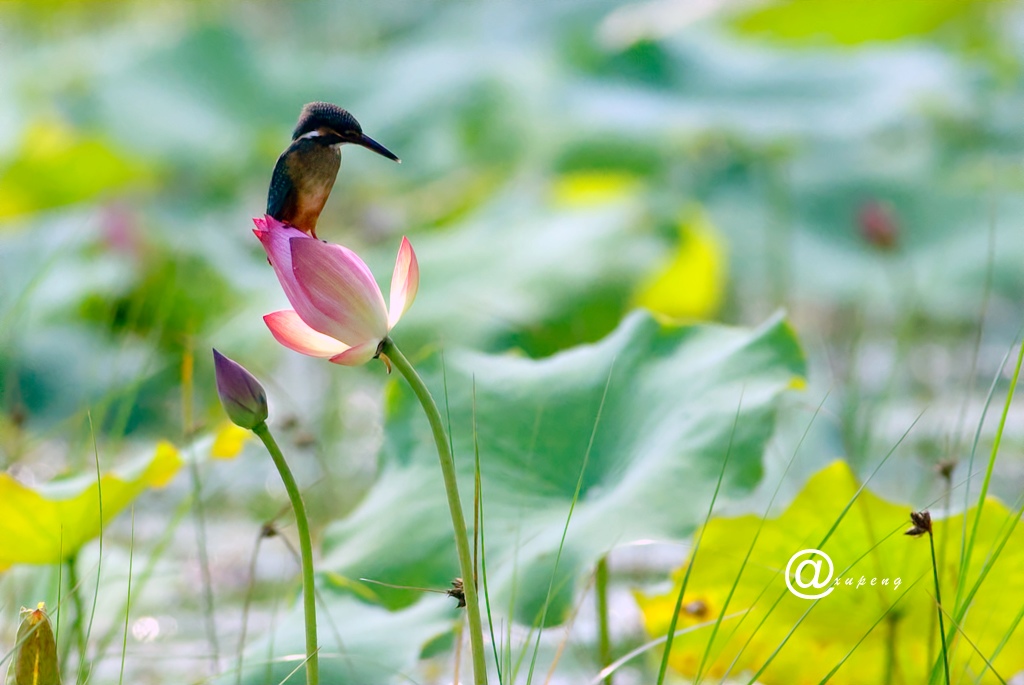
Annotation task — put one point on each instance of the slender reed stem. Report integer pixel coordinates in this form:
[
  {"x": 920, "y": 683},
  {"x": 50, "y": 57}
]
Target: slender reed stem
[
  {"x": 604, "y": 643},
  {"x": 938, "y": 600},
  {"x": 946, "y": 472},
  {"x": 60, "y": 597},
  {"x": 247, "y": 604},
  {"x": 82, "y": 675},
  {"x": 78, "y": 625},
  {"x": 890, "y": 648},
  {"x": 199, "y": 509},
  {"x": 128, "y": 600},
  {"x": 305, "y": 551},
  {"x": 451, "y": 488}
]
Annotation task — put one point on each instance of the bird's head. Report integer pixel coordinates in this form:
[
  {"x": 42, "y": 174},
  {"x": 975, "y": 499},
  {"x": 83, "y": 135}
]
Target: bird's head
[{"x": 331, "y": 125}]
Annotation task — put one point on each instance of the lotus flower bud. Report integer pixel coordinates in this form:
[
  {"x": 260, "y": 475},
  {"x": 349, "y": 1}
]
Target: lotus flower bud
[{"x": 241, "y": 394}]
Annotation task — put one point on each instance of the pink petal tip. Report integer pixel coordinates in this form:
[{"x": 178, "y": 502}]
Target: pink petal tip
[{"x": 405, "y": 282}]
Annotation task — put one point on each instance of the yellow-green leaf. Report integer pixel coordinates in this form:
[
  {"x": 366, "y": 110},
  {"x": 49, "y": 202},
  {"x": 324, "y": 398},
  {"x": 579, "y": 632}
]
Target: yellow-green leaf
[
  {"x": 35, "y": 660},
  {"x": 850, "y": 22},
  {"x": 228, "y": 441},
  {"x": 56, "y": 166},
  {"x": 593, "y": 188},
  {"x": 692, "y": 285},
  {"x": 895, "y": 621},
  {"x": 45, "y": 525}
]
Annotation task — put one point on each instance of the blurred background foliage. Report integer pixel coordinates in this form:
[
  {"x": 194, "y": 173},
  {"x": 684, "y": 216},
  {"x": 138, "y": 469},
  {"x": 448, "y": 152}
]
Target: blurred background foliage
[
  {"x": 561, "y": 165},
  {"x": 554, "y": 161},
  {"x": 856, "y": 164}
]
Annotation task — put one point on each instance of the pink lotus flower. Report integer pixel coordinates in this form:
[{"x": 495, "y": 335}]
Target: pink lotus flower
[{"x": 339, "y": 312}]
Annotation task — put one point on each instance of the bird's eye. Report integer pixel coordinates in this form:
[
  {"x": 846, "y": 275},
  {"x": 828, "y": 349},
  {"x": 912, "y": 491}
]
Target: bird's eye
[{"x": 336, "y": 135}]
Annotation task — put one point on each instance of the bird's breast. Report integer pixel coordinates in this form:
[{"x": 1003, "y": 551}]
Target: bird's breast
[
  {"x": 313, "y": 172},
  {"x": 315, "y": 167}
]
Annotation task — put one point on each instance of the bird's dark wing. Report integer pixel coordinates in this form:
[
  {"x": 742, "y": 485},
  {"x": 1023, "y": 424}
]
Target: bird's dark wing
[{"x": 281, "y": 197}]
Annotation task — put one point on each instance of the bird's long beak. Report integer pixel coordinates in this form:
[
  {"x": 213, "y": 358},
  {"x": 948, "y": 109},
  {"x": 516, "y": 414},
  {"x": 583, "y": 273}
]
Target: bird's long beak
[{"x": 371, "y": 144}]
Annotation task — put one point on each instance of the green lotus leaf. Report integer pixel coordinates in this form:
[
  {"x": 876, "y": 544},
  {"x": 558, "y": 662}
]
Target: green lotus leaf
[
  {"x": 641, "y": 421},
  {"x": 359, "y": 643}
]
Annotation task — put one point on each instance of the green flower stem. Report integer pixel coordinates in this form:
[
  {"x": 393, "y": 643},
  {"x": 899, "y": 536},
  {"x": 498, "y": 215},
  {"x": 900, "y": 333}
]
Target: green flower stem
[
  {"x": 604, "y": 642},
  {"x": 78, "y": 626},
  {"x": 305, "y": 551},
  {"x": 938, "y": 601},
  {"x": 451, "y": 487}
]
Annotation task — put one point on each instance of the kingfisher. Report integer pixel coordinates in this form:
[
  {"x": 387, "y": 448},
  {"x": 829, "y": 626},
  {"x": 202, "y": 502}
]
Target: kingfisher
[{"x": 305, "y": 172}]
